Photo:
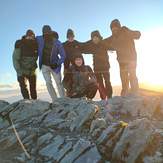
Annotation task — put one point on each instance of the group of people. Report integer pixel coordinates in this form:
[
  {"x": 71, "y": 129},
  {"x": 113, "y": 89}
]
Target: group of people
[{"x": 79, "y": 79}]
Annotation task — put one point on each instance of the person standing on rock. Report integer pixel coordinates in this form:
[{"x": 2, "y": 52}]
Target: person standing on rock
[
  {"x": 71, "y": 47},
  {"x": 101, "y": 63},
  {"x": 24, "y": 60},
  {"x": 51, "y": 57},
  {"x": 80, "y": 81},
  {"x": 122, "y": 41}
]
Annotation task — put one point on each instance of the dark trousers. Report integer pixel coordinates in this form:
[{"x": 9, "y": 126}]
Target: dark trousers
[
  {"x": 105, "y": 90},
  {"x": 89, "y": 92},
  {"x": 128, "y": 76},
  {"x": 32, "y": 86}
]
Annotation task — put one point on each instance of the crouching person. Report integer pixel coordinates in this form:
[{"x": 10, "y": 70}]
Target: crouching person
[
  {"x": 80, "y": 80},
  {"x": 24, "y": 60}
]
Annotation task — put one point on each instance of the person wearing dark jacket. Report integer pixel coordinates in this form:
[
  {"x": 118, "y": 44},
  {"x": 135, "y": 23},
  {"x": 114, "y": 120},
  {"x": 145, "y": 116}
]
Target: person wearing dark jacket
[
  {"x": 71, "y": 47},
  {"x": 80, "y": 80},
  {"x": 122, "y": 41},
  {"x": 101, "y": 63},
  {"x": 51, "y": 57},
  {"x": 24, "y": 60}
]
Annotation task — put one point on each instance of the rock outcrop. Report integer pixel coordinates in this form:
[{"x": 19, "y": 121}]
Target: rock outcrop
[{"x": 127, "y": 130}]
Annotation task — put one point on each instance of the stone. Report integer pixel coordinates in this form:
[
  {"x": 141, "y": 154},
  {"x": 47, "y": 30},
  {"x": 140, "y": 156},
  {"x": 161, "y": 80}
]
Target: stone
[
  {"x": 52, "y": 148},
  {"x": 157, "y": 158},
  {"x": 90, "y": 156},
  {"x": 77, "y": 130},
  {"x": 110, "y": 132},
  {"x": 85, "y": 113},
  {"x": 28, "y": 109},
  {"x": 140, "y": 106},
  {"x": 44, "y": 139},
  {"x": 98, "y": 123},
  {"x": 133, "y": 142},
  {"x": 3, "y": 104},
  {"x": 3, "y": 123},
  {"x": 63, "y": 151},
  {"x": 81, "y": 146},
  {"x": 7, "y": 141}
]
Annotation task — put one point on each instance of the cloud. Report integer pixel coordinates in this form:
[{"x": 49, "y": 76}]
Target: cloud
[
  {"x": 11, "y": 86},
  {"x": 5, "y": 86}
]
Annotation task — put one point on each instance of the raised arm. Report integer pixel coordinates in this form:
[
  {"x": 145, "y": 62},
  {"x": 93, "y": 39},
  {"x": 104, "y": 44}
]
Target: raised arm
[
  {"x": 109, "y": 43},
  {"x": 133, "y": 34},
  {"x": 85, "y": 47}
]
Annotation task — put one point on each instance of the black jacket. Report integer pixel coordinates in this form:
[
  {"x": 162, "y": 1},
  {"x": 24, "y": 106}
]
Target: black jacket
[
  {"x": 29, "y": 48},
  {"x": 25, "y": 57},
  {"x": 71, "y": 49},
  {"x": 123, "y": 43},
  {"x": 100, "y": 55},
  {"x": 77, "y": 79}
]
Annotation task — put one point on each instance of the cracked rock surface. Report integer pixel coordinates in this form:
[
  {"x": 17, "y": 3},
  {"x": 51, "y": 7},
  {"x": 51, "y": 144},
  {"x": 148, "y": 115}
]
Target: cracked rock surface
[{"x": 126, "y": 130}]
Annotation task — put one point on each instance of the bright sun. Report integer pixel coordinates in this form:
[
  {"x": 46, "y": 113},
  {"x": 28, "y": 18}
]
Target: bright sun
[{"x": 150, "y": 59}]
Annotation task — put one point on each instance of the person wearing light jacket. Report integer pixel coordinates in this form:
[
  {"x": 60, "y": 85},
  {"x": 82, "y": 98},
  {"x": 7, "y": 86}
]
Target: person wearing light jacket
[{"x": 51, "y": 57}]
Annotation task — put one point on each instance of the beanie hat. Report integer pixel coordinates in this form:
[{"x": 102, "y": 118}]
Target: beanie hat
[
  {"x": 70, "y": 32},
  {"x": 30, "y": 33},
  {"x": 96, "y": 33},
  {"x": 46, "y": 29},
  {"x": 115, "y": 23}
]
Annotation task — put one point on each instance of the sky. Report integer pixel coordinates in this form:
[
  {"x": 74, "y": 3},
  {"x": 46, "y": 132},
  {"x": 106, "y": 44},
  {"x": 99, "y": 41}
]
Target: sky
[{"x": 83, "y": 16}]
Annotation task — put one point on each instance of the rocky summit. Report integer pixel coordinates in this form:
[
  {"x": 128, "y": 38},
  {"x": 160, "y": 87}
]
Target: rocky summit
[{"x": 126, "y": 130}]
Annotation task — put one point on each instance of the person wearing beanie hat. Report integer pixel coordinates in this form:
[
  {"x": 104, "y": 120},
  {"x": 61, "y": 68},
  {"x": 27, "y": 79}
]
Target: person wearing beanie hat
[
  {"x": 30, "y": 33},
  {"x": 25, "y": 63},
  {"x": 46, "y": 29},
  {"x": 71, "y": 47},
  {"x": 96, "y": 34},
  {"x": 70, "y": 33},
  {"x": 122, "y": 41},
  {"x": 101, "y": 63},
  {"x": 51, "y": 57},
  {"x": 80, "y": 80},
  {"x": 115, "y": 23}
]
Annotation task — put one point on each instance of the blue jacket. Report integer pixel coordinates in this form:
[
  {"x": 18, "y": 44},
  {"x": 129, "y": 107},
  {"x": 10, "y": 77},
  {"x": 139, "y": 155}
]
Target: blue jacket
[{"x": 58, "y": 53}]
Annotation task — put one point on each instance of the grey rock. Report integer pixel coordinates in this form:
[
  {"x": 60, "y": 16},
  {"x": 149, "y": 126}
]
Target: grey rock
[
  {"x": 28, "y": 109},
  {"x": 86, "y": 113},
  {"x": 63, "y": 151},
  {"x": 134, "y": 140},
  {"x": 3, "y": 123},
  {"x": 3, "y": 104},
  {"x": 110, "y": 132},
  {"x": 44, "y": 139},
  {"x": 140, "y": 106},
  {"x": 157, "y": 158},
  {"x": 7, "y": 141},
  {"x": 81, "y": 146},
  {"x": 77, "y": 130},
  {"x": 98, "y": 123},
  {"x": 90, "y": 156},
  {"x": 52, "y": 148}
]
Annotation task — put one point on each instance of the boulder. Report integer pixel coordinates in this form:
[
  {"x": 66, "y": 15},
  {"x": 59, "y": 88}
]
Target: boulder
[
  {"x": 79, "y": 148},
  {"x": 77, "y": 131},
  {"x": 134, "y": 141},
  {"x": 3, "y": 104}
]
